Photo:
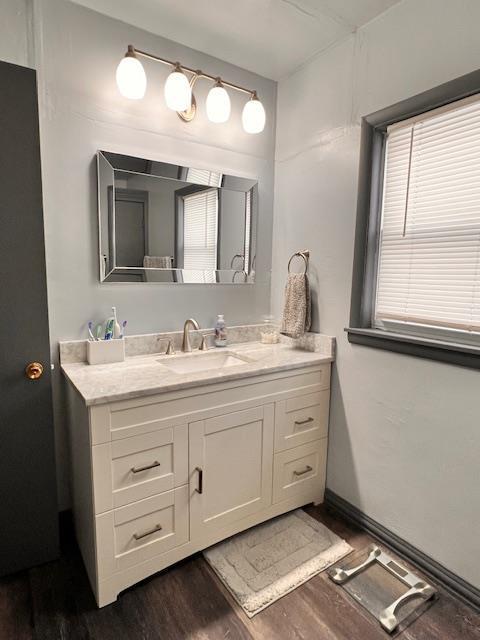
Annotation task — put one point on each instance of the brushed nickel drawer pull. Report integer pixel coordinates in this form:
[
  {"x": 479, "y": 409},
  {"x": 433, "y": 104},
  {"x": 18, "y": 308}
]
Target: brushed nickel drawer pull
[
  {"x": 300, "y": 422},
  {"x": 199, "y": 489},
  {"x": 146, "y": 467},
  {"x": 301, "y": 473},
  {"x": 139, "y": 536}
]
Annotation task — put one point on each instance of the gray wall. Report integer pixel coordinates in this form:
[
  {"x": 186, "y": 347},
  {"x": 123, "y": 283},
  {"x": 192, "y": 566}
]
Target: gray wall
[
  {"x": 232, "y": 228},
  {"x": 404, "y": 432},
  {"x": 77, "y": 51},
  {"x": 16, "y": 43}
]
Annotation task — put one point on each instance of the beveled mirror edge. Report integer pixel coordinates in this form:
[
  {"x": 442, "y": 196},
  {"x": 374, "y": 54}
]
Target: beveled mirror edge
[
  {"x": 237, "y": 276},
  {"x": 222, "y": 276},
  {"x": 243, "y": 184}
]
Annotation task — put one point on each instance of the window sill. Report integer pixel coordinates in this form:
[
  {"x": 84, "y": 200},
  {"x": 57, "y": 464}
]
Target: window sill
[{"x": 449, "y": 352}]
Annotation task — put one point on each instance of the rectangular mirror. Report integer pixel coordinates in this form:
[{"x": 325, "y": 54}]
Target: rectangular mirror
[{"x": 161, "y": 222}]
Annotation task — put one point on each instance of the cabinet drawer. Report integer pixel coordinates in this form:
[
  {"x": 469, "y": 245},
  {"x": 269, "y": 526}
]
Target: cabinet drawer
[
  {"x": 127, "y": 418},
  {"x": 301, "y": 419},
  {"x": 300, "y": 471},
  {"x": 138, "y": 467},
  {"x": 142, "y": 530}
]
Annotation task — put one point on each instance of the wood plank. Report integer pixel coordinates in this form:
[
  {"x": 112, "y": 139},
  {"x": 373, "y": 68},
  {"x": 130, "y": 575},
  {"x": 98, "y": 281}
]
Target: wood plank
[
  {"x": 188, "y": 601},
  {"x": 15, "y": 607},
  {"x": 447, "y": 619},
  {"x": 320, "y": 609},
  {"x": 313, "y": 610}
]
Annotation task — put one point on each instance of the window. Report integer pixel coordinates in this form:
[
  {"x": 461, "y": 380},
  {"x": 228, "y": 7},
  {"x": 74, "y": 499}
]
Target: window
[
  {"x": 429, "y": 247},
  {"x": 200, "y": 220},
  {"x": 416, "y": 278}
]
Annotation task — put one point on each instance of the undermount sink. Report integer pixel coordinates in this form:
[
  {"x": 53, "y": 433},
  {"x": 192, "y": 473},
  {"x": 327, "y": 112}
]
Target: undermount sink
[{"x": 203, "y": 362}]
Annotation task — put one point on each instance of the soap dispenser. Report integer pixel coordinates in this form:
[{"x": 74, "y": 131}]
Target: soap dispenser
[{"x": 220, "y": 332}]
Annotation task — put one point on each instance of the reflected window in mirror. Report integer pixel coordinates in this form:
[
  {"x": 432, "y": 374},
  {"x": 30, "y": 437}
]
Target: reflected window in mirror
[{"x": 200, "y": 235}]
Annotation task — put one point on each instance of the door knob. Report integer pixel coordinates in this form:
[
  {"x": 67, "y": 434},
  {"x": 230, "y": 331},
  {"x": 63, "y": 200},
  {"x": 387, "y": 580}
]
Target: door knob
[{"x": 34, "y": 370}]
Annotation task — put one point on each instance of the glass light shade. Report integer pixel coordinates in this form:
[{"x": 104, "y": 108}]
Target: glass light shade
[
  {"x": 218, "y": 104},
  {"x": 253, "y": 116},
  {"x": 178, "y": 93},
  {"x": 131, "y": 78}
]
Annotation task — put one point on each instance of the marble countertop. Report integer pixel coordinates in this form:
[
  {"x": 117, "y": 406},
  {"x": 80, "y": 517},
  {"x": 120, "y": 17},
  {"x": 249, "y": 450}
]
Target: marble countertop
[{"x": 147, "y": 375}]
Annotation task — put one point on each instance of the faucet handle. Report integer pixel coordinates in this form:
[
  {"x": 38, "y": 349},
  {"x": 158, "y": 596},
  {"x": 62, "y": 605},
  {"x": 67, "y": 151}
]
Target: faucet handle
[
  {"x": 204, "y": 344},
  {"x": 170, "y": 351}
]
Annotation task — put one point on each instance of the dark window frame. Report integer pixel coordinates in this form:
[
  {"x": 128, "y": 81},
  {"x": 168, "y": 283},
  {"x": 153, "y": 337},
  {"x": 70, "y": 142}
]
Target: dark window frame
[{"x": 372, "y": 149}]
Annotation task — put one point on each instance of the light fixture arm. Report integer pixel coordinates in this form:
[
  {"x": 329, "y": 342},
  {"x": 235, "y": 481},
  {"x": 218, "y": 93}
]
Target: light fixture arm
[
  {"x": 189, "y": 114},
  {"x": 197, "y": 74},
  {"x": 179, "y": 96}
]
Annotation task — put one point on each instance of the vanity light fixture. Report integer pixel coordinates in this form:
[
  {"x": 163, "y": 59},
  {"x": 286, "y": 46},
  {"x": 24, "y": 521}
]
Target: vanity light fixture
[
  {"x": 132, "y": 83},
  {"x": 253, "y": 115},
  {"x": 131, "y": 77},
  {"x": 178, "y": 92},
  {"x": 218, "y": 103}
]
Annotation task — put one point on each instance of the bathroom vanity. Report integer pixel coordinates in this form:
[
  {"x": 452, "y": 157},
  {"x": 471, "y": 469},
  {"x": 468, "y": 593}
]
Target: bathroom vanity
[{"x": 171, "y": 454}]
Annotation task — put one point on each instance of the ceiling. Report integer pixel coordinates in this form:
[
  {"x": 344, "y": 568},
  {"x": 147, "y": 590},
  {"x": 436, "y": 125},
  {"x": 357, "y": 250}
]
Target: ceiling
[{"x": 269, "y": 37}]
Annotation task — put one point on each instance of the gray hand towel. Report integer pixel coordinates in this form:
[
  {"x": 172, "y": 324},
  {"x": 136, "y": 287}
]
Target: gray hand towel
[
  {"x": 157, "y": 262},
  {"x": 297, "y": 311}
]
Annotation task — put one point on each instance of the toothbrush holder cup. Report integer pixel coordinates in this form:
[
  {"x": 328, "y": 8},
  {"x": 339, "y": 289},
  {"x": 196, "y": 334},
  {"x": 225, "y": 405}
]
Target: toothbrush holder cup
[{"x": 105, "y": 351}]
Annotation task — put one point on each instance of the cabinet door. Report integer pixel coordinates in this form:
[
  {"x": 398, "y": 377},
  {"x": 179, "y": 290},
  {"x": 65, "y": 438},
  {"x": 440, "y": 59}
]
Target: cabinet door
[{"x": 231, "y": 460}]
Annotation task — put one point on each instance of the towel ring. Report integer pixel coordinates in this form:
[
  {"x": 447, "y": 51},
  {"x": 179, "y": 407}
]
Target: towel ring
[
  {"x": 237, "y": 255},
  {"x": 235, "y": 274},
  {"x": 301, "y": 254}
]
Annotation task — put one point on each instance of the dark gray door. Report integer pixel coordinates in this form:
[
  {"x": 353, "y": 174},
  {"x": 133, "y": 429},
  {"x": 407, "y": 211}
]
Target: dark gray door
[
  {"x": 28, "y": 500},
  {"x": 129, "y": 233},
  {"x": 130, "y": 227}
]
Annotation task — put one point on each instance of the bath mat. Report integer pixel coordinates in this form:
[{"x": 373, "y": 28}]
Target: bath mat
[{"x": 261, "y": 565}]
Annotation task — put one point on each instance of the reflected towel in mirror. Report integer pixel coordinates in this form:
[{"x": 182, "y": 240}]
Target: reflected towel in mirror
[{"x": 158, "y": 262}]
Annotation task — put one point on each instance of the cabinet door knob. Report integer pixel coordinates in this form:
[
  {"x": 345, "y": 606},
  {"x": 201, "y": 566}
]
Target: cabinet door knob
[{"x": 34, "y": 370}]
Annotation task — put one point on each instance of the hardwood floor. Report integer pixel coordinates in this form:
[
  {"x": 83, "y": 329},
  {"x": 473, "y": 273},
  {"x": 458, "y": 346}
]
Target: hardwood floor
[{"x": 187, "y": 601}]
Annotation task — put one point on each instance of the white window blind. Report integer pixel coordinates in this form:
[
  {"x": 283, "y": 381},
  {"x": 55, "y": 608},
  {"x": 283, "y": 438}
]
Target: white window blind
[
  {"x": 200, "y": 212},
  {"x": 429, "y": 251},
  {"x": 204, "y": 176}
]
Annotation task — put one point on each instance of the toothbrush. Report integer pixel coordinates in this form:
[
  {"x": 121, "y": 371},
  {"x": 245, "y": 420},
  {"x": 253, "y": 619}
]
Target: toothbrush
[
  {"x": 109, "y": 329},
  {"x": 122, "y": 333},
  {"x": 99, "y": 331},
  {"x": 90, "y": 332}
]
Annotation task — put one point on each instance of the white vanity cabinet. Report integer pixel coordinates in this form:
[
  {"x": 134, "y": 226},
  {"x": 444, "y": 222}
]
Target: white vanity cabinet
[{"x": 157, "y": 478}]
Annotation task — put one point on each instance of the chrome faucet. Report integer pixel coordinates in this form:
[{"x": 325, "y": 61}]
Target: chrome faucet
[{"x": 186, "y": 345}]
